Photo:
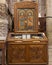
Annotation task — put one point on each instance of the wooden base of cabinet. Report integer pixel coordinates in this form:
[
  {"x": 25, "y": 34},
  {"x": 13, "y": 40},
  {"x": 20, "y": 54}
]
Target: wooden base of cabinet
[
  {"x": 27, "y": 54},
  {"x": 31, "y": 52}
]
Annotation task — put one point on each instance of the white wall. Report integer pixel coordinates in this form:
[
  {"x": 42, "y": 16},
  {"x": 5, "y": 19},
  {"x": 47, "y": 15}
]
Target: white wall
[
  {"x": 2, "y": 1},
  {"x": 49, "y": 20}
]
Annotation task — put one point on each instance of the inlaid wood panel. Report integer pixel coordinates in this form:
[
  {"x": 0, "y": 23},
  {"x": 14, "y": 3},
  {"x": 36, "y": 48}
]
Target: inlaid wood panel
[
  {"x": 26, "y": 53},
  {"x": 17, "y": 54},
  {"x": 37, "y": 53}
]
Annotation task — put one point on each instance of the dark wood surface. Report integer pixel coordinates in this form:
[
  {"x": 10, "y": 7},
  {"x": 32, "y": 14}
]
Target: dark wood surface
[
  {"x": 3, "y": 47},
  {"x": 42, "y": 26}
]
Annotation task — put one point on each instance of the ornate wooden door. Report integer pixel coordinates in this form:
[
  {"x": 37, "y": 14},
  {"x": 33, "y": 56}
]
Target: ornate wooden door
[
  {"x": 16, "y": 53},
  {"x": 37, "y": 53}
]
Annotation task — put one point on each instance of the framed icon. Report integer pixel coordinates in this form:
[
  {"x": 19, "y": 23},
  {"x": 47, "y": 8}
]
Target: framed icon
[{"x": 26, "y": 17}]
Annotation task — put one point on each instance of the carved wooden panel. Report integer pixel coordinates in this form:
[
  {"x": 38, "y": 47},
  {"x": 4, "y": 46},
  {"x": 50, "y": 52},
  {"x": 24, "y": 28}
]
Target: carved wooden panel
[
  {"x": 26, "y": 53},
  {"x": 16, "y": 53},
  {"x": 37, "y": 53}
]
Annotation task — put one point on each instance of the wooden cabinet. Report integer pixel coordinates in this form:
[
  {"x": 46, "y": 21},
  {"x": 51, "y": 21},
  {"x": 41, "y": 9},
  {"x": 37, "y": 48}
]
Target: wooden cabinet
[
  {"x": 27, "y": 51},
  {"x": 26, "y": 46}
]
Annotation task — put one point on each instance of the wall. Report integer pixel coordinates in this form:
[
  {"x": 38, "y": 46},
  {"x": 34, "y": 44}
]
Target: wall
[
  {"x": 49, "y": 20},
  {"x": 2, "y": 1},
  {"x": 49, "y": 28},
  {"x": 42, "y": 6}
]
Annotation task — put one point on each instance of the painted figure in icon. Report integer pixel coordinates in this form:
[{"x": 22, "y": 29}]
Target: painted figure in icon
[{"x": 25, "y": 19}]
